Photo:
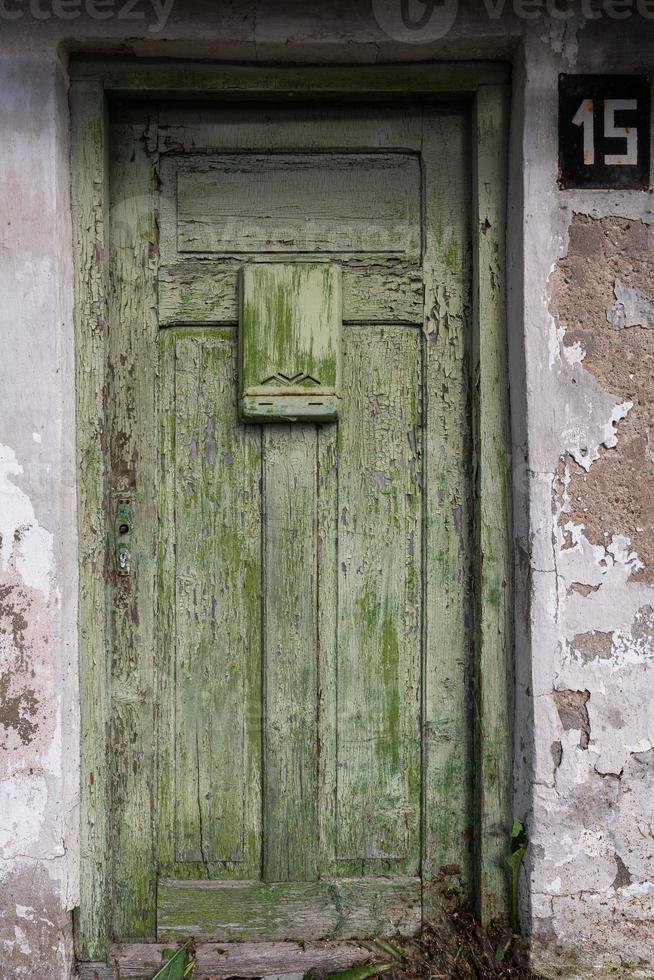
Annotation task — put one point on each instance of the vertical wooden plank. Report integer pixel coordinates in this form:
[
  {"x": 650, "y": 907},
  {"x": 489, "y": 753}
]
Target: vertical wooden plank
[
  {"x": 379, "y": 599},
  {"x": 132, "y": 474},
  {"x": 218, "y": 574},
  {"x": 494, "y": 681},
  {"x": 326, "y": 646},
  {"x": 194, "y": 584},
  {"x": 166, "y": 620},
  {"x": 290, "y": 668},
  {"x": 88, "y": 206},
  {"x": 448, "y": 717}
]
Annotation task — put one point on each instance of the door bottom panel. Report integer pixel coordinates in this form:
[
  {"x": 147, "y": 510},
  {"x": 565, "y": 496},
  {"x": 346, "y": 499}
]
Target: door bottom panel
[{"x": 252, "y": 910}]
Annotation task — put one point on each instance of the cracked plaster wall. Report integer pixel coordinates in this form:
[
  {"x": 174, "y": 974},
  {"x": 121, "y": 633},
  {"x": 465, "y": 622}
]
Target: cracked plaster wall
[
  {"x": 584, "y": 625},
  {"x": 38, "y": 715},
  {"x": 585, "y": 773}
]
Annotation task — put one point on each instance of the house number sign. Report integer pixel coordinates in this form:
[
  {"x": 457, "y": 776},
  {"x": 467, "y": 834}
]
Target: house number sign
[{"x": 604, "y": 131}]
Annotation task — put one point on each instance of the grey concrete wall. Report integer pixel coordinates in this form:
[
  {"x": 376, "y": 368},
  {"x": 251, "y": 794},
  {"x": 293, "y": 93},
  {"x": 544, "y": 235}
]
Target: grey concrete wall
[{"x": 582, "y": 460}]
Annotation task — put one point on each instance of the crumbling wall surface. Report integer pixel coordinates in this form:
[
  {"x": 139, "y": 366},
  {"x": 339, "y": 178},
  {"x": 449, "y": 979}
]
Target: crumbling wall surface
[
  {"x": 597, "y": 850},
  {"x": 38, "y": 731},
  {"x": 585, "y": 775}
]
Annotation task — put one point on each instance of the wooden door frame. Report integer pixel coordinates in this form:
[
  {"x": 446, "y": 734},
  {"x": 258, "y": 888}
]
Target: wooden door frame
[{"x": 485, "y": 86}]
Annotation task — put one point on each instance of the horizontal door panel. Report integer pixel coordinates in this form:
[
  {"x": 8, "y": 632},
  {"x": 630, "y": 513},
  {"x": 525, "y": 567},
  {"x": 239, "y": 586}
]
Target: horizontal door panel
[
  {"x": 249, "y": 910},
  {"x": 205, "y": 291},
  {"x": 300, "y": 203},
  {"x": 323, "y": 126}
]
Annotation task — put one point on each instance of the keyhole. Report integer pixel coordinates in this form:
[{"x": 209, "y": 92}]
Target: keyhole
[{"x": 124, "y": 528}]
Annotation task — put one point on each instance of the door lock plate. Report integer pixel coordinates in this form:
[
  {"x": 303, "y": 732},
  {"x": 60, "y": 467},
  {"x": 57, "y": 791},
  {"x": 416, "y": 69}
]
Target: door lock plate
[{"x": 123, "y": 525}]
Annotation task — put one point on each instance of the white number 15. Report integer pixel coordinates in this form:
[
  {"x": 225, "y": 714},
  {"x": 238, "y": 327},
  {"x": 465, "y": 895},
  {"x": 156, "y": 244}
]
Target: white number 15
[{"x": 584, "y": 117}]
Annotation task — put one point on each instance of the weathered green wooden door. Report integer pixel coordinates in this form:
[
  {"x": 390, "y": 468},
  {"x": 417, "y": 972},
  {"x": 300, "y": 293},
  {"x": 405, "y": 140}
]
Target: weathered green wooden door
[{"x": 291, "y": 718}]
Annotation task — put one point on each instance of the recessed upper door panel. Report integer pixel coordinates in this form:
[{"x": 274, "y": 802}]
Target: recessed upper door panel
[{"x": 347, "y": 202}]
